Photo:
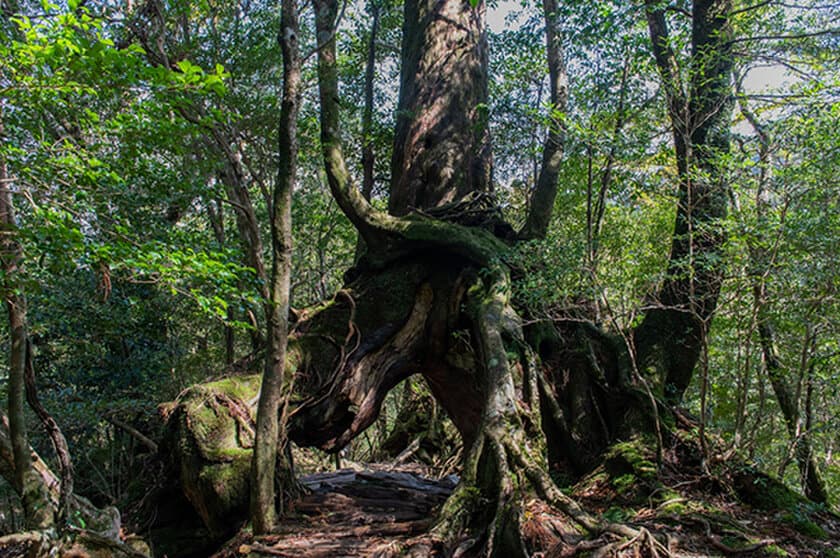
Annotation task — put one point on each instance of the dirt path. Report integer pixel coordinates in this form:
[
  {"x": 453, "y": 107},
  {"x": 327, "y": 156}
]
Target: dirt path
[{"x": 352, "y": 513}]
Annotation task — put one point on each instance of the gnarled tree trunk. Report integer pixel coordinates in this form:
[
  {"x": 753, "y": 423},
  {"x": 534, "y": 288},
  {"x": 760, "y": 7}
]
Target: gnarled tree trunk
[
  {"x": 432, "y": 296},
  {"x": 39, "y": 511}
]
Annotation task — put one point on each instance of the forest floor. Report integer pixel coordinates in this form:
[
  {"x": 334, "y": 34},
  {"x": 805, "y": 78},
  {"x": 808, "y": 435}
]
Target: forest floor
[{"x": 378, "y": 511}]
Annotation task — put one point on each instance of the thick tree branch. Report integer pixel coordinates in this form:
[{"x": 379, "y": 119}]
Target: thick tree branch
[
  {"x": 790, "y": 37},
  {"x": 669, "y": 72}
]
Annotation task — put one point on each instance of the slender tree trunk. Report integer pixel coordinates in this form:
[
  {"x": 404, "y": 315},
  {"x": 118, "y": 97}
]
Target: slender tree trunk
[
  {"x": 59, "y": 442},
  {"x": 367, "y": 116},
  {"x": 250, "y": 237},
  {"x": 596, "y": 215},
  {"x": 760, "y": 264},
  {"x": 812, "y": 482},
  {"x": 39, "y": 512},
  {"x": 272, "y": 411},
  {"x": 368, "y": 156},
  {"x": 216, "y": 216},
  {"x": 541, "y": 205}
]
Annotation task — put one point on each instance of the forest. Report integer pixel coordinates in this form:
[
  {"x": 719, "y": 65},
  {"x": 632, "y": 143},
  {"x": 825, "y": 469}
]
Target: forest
[{"x": 418, "y": 278}]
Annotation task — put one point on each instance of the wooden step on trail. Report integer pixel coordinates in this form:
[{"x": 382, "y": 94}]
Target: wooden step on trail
[{"x": 351, "y": 513}]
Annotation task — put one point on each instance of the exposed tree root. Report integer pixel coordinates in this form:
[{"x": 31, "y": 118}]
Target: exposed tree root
[
  {"x": 643, "y": 544},
  {"x": 505, "y": 463}
]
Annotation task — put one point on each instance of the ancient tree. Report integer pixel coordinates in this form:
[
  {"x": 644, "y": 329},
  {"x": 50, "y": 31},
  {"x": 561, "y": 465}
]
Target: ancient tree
[
  {"x": 699, "y": 100},
  {"x": 432, "y": 292}
]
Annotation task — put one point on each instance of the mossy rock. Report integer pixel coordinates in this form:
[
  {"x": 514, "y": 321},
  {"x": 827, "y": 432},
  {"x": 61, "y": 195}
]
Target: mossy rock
[
  {"x": 801, "y": 520},
  {"x": 764, "y": 492},
  {"x": 210, "y": 436},
  {"x": 91, "y": 545}
]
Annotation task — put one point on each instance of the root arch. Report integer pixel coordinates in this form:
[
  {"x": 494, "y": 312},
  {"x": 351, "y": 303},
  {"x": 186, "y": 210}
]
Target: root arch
[{"x": 453, "y": 322}]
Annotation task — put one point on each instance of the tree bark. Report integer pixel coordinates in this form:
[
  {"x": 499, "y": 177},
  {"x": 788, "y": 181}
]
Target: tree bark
[
  {"x": 272, "y": 411},
  {"x": 367, "y": 115},
  {"x": 59, "y": 442},
  {"x": 380, "y": 231},
  {"x": 432, "y": 297},
  {"x": 368, "y": 155},
  {"x": 440, "y": 316},
  {"x": 442, "y": 141},
  {"x": 669, "y": 340}
]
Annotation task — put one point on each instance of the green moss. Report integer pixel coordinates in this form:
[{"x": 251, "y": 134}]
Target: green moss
[
  {"x": 675, "y": 508},
  {"x": 213, "y": 436},
  {"x": 671, "y": 502},
  {"x": 228, "y": 482},
  {"x": 632, "y": 457},
  {"x": 763, "y": 491},
  {"x": 235, "y": 454},
  {"x": 464, "y": 497},
  {"x": 665, "y": 495},
  {"x": 458, "y": 511},
  {"x": 630, "y": 469},
  {"x": 801, "y": 520},
  {"x": 244, "y": 388},
  {"x": 625, "y": 483},
  {"x": 218, "y": 417},
  {"x": 773, "y": 550},
  {"x": 474, "y": 243},
  {"x": 617, "y": 515}
]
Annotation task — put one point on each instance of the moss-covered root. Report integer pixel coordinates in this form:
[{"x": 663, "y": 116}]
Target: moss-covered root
[{"x": 505, "y": 465}]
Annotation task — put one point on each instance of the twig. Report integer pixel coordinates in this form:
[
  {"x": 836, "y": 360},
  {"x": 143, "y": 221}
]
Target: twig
[
  {"x": 142, "y": 438},
  {"x": 409, "y": 451}
]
